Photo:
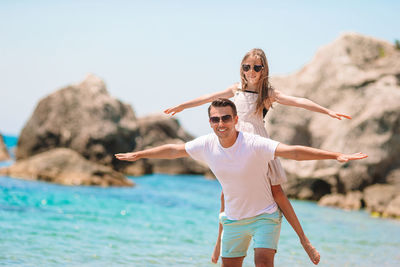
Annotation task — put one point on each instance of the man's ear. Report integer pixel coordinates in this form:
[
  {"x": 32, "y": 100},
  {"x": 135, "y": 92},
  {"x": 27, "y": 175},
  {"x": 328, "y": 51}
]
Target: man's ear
[{"x": 236, "y": 119}]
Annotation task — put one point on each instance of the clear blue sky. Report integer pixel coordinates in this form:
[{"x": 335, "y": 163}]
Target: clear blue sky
[{"x": 155, "y": 54}]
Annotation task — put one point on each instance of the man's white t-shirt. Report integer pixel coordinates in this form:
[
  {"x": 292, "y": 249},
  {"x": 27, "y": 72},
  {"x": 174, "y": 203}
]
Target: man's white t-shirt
[{"x": 241, "y": 170}]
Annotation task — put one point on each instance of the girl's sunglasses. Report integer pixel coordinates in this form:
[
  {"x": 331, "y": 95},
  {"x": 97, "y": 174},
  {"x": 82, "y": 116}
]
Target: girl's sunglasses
[
  {"x": 256, "y": 68},
  {"x": 225, "y": 119}
]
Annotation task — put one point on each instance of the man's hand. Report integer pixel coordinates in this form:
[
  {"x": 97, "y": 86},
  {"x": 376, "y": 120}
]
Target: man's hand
[
  {"x": 347, "y": 157},
  {"x": 169, "y": 151},
  {"x": 134, "y": 156},
  {"x": 310, "y": 153}
]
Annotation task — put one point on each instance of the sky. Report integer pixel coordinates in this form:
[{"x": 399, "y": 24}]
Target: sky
[{"x": 156, "y": 54}]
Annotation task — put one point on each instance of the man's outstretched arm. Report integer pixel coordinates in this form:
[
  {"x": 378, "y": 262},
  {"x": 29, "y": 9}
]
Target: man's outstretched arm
[
  {"x": 170, "y": 151},
  {"x": 309, "y": 153}
]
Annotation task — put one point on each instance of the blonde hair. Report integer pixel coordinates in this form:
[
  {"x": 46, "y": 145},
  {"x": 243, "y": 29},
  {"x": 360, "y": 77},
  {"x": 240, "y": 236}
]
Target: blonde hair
[{"x": 264, "y": 89}]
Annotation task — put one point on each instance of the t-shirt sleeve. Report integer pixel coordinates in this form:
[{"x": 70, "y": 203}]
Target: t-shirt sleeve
[
  {"x": 265, "y": 147},
  {"x": 197, "y": 148}
]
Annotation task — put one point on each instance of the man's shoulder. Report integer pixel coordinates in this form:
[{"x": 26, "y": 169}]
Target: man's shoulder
[
  {"x": 208, "y": 138},
  {"x": 247, "y": 135},
  {"x": 251, "y": 138}
]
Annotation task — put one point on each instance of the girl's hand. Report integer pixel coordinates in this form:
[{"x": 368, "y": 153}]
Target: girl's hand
[
  {"x": 346, "y": 157},
  {"x": 338, "y": 116},
  {"x": 173, "y": 110}
]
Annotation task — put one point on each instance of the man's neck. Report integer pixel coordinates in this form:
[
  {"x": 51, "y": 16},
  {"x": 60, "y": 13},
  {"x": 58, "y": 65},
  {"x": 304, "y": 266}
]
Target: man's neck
[{"x": 229, "y": 141}]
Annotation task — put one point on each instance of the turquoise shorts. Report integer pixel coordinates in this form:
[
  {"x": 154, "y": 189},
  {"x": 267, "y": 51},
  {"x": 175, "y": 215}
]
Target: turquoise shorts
[{"x": 264, "y": 229}]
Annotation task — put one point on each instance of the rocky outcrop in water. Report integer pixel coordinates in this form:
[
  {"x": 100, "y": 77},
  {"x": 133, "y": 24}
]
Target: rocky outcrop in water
[
  {"x": 156, "y": 130},
  {"x": 379, "y": 199},
  {"x": 351, "y": 201},
  {"x": 82, "y": 117},
  {"x": 87, "y": 120},
  {"x": 67, "y": 167},
  {"x": 355, "y": 75},
  {"x": 4, "y": 155}
]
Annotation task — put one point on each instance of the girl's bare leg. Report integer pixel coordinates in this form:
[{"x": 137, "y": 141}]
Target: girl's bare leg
[
  {"x": 288, "y": 211},
  {"x": 312, "y": 252},
  {"x": 217, "y": 247}
]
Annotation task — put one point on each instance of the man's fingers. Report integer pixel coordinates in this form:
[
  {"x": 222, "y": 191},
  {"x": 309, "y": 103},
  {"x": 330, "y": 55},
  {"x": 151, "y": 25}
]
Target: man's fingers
[
  {"x": 355, "y": 156},
  {"x": 362, "y": 155},
  {"x": 359, "y": 156},
  {"x": 124, "y": 156}
]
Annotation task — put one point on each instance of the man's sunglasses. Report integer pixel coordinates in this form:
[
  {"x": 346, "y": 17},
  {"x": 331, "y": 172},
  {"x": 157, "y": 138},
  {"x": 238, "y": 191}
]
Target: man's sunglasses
[
  {"x": 256, "y": 68},
  {"x": 225, "y": 119}
]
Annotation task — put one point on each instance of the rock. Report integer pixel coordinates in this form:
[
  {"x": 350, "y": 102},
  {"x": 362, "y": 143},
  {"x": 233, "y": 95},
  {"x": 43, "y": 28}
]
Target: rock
[
  {"x": 354, "y": 178},
  {"x": 377, "y": 197},
  {"x": 86, "y": 119},
  {"x": 353, "y": 201},
  {"x": 82, "y": 117},
  {"x": 137, "y": 168},
  {"x": 350, "y": 201},
  {"x": 353, "y": 75},
  {"x": 67, "y": 167},
  {"x": 156, "y": 130},
  {"x": 393, "y": 209},
  {"x": 309, "y": 189},
  {"x": 332, "y": 200},
  {"x": 394, "y": 177},
  {"x": 4, "y": 155}
]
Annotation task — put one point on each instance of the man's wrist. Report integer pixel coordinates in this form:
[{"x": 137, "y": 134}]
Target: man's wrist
[{"x": 139, "y": 155}]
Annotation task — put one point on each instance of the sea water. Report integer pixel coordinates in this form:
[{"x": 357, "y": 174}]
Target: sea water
[{"x": 166, "y": 220}]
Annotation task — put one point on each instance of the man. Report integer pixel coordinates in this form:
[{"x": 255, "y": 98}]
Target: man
[{"x": 238, "y": 160}]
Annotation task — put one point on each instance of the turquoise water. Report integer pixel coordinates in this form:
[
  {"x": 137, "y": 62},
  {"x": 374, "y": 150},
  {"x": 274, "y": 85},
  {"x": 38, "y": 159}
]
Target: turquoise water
[
  {"x": 165, "y": 221},
  {"x": 10, "y": 142}
]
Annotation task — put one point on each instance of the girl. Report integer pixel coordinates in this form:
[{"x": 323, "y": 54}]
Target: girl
[{"x": 253, "y": 97}]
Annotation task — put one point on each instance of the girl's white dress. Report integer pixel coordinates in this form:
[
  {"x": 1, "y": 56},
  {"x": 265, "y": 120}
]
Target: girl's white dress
[{"x": 252, "y": 123}]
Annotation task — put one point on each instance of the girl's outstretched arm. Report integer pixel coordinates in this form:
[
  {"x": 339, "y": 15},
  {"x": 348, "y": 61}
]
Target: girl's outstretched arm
[
  {"x": 227, "y": 93},
  {"x": 306, "y": 104},
  {"x": 288, "y": 211},
  {"x": 217, "y": 247}
]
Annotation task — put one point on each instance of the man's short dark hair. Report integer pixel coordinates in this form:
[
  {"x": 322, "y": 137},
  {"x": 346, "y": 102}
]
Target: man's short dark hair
[{"x": 222, "y": 102}]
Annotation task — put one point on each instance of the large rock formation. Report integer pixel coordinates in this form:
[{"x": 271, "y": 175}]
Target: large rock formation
[
  {"x": 156, "y": 130},
  {"x": 83, "y": 117},
  {"x": 355, "y": 75},
  {"x": 351, "y": 201},
  {"x": 67, "y": 167},
  {"x": 86, "y": 119},
  {"x": 379, "y": 199},
  {"x": 4, "y": 155}
]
